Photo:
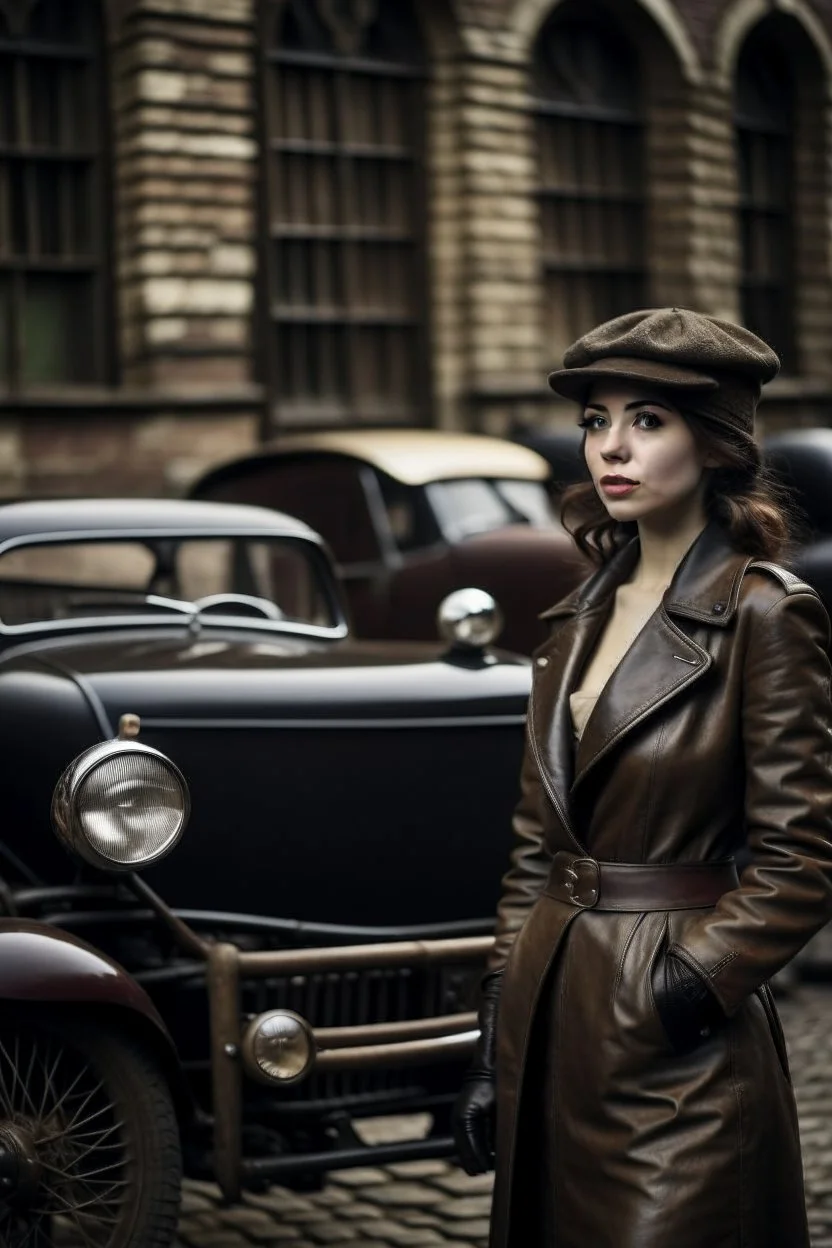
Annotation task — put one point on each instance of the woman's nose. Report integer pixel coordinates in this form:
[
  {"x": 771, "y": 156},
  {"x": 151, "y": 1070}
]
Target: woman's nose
[{"x": 614, "y": 447}]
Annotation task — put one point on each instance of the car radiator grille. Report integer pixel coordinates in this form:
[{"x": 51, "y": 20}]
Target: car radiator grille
[{"x": 360, "y": 997}]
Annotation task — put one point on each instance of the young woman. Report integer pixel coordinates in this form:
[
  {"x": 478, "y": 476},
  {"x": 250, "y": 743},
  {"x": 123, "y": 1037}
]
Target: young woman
[{"x": 680, "y": 712}]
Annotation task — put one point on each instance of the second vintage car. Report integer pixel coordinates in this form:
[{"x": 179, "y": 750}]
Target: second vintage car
[
  {"x": 236, "y": 997},
  {"x": 412, "y": 514}
]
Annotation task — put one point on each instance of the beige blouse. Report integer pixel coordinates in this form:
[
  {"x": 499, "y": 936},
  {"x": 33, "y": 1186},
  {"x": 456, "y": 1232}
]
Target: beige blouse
[{"x": 632, "y": 609}]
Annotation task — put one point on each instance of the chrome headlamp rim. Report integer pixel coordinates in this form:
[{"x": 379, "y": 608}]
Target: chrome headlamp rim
[
  {"x": 64, "y": 814},
  {"x": 249, "y": 1054}
]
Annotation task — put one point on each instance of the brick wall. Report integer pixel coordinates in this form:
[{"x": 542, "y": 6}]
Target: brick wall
[
  {"x": 185, "y": 134},
  {"x": 183, "y": 100},
  {"x": 183, "y": 190},
  {"x": 115, "y": 451}
]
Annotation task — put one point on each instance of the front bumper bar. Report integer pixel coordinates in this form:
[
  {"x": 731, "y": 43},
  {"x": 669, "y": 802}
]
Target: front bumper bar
[{"x": 381, "y": 1045}]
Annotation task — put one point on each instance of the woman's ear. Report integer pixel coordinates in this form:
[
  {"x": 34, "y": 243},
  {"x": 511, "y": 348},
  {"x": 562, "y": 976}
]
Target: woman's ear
[{"x": 712, "y": 461}]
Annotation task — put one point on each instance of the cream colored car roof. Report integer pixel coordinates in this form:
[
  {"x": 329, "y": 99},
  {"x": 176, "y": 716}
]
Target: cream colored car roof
[{"x": 416, "y": 456}]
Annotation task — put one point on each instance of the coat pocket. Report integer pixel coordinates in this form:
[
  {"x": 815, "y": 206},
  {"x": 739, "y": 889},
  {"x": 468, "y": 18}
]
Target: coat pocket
[
  {"x": 766, "y": 998},
  {"x": 633, "y": 1000},
  {"x": 654, "y": 969}
]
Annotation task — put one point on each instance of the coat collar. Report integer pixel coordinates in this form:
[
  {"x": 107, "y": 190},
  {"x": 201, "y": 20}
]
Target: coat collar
[
  {"x": 705, "y": 586},
  {"x": 662, "y": 662}
]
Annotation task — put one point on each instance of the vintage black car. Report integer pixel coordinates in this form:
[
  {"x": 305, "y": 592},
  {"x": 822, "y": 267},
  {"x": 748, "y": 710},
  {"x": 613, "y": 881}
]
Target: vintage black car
[{"x": 300, "y": 957}]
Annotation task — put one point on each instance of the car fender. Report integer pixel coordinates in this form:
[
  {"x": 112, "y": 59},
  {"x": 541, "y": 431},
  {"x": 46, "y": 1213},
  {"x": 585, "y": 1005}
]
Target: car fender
[{"x": 40, "y": 964}]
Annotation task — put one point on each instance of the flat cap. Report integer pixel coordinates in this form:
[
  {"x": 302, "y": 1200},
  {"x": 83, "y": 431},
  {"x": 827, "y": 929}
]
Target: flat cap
[{"x": 668, "y": 347}]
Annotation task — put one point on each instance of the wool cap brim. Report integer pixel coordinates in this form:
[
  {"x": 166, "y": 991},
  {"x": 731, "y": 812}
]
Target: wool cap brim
[{"x": 575, "y": 383}]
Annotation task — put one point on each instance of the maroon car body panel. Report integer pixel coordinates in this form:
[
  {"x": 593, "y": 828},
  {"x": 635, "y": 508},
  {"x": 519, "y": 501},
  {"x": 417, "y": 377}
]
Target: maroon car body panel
[
  {"x": 40, "y": 963},
  {"x": 523, "y": 568}
]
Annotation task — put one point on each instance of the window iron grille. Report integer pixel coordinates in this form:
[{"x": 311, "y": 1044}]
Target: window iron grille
[
  {"x": 764, "y": 130},
  {"x": 590, "y": 138},
  {"x": 344, "y": 209},
  {"x": 52, "y": 237}
]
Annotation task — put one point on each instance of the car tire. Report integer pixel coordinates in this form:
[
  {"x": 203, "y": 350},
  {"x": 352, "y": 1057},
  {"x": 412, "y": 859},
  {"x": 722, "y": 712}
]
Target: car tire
[{"x": 90, "y": 1120}]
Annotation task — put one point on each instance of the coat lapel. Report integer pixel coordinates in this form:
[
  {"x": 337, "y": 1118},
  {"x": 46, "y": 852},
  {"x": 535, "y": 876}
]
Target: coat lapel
[
  {"x": 664, "y": 661},
  {"x": 578, "y": 622},
  {"x": 661, "y": 663},
  {"x": 550, "y": 724}
]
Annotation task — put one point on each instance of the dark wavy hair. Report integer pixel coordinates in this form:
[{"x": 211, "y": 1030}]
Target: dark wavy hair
[{"x": 741, "y": 494}]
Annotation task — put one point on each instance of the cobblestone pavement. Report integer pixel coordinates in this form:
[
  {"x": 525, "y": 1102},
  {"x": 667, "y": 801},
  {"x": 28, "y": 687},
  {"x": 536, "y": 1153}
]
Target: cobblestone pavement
[{"x": 431, "y": 1202}]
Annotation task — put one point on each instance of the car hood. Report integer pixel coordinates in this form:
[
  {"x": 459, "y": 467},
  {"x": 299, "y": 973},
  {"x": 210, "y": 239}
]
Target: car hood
[
  {"x": 239, "y": 680},
  {"x": 347, "y": 783}
]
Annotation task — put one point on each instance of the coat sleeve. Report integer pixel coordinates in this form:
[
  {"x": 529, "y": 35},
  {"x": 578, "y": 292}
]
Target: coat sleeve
[
  {"x": 530, "y": 862},
  {"x": 785, "y": 893}
]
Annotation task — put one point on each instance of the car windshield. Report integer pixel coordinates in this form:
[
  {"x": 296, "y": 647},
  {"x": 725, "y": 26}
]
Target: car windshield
[
  {"x": 464, "y": 508},
  {"x": 255, "y": 579}
]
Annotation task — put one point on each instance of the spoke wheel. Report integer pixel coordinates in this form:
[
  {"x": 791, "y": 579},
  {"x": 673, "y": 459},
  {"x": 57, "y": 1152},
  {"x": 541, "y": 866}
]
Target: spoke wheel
[{"x": 89, "y": 1137}]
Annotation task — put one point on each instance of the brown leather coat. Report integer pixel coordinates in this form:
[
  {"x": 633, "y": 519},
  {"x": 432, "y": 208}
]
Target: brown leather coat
[{"x": 713, "y": 733}]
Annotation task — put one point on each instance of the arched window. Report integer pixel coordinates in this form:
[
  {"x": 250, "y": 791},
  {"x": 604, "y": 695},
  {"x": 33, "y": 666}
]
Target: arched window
[
  {"x": 764, "y": 121},
  {"x": 591, "y": 172},
  {"x": 53, "y": 252},
  {"x": 345, "y": 210}
]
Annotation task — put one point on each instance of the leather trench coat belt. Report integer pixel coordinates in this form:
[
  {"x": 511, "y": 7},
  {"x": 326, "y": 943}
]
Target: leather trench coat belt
[
  {"x": 626, "y": 886},
  {"x": 712, "y": 736}
]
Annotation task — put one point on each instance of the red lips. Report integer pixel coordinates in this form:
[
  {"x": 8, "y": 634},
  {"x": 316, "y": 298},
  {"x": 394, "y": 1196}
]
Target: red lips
[{"x": 615, "y": 486}]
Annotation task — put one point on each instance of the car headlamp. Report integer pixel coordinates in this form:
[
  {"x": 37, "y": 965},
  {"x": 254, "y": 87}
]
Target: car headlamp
[
  {"x": 278, "y": 1047},
  {"x": 120, "y": 805}
]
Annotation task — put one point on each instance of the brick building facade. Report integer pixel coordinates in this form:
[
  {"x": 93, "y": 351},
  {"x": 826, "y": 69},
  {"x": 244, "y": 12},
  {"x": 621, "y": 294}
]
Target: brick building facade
[{"x": 224, "y": 218}]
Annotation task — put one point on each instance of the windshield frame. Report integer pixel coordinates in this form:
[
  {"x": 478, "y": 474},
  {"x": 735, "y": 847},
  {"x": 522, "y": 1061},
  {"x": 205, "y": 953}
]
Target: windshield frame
[{"x": 167, "y": 618}]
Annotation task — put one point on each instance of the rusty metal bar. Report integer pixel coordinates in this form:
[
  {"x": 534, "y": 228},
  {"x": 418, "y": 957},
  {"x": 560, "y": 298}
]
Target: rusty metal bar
[
  {"x": 278, "y": 1168},
  {"x": 331, "y": 1038},
  {"x": 410, "y": 953},
  {"x": 389, "y": 1056},
  {"x": 226, "y": 1072}
]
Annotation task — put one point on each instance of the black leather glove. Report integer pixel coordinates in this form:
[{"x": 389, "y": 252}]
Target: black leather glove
[
  {"x": 687, "y": 1008},
  {"x": 475, "y": 1109}
]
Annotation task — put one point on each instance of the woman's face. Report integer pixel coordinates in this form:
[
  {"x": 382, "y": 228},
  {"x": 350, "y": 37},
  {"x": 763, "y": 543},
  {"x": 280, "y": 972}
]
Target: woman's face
[{"x": 643, "y": 457}]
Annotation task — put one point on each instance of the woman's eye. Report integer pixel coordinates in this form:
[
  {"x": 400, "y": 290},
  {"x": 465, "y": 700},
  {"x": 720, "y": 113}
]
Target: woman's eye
[
  {"x": 591, "y": 422},
  {"x": 648, "y": 420}
]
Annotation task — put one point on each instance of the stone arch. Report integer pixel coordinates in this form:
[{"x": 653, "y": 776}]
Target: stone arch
[
  {"x": 528, "y": 16},
  {"x": 809, "y": 48},
  {"x": 667, "y": 137},
  {"x": 743, "y": 16},
  {"x": 438, "y": 25}
]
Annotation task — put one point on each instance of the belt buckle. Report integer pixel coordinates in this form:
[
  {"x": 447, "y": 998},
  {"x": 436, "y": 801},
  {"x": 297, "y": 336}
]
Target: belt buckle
[{"x": 581, "y": 881}]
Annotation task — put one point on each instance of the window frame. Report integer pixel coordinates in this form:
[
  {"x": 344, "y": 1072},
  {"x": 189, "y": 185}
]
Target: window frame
[
  {"x": 353, "y": 406},
  {"x": 631, "y": 120},
  {"x": 22, "y": 160},
  {"x": 780, "y": 289}
]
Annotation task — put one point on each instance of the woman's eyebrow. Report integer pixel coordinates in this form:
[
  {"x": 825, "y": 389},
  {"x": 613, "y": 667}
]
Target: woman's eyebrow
[
  {"x": 599, "y": 407},
  {"x": 643, "y": 402}
]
